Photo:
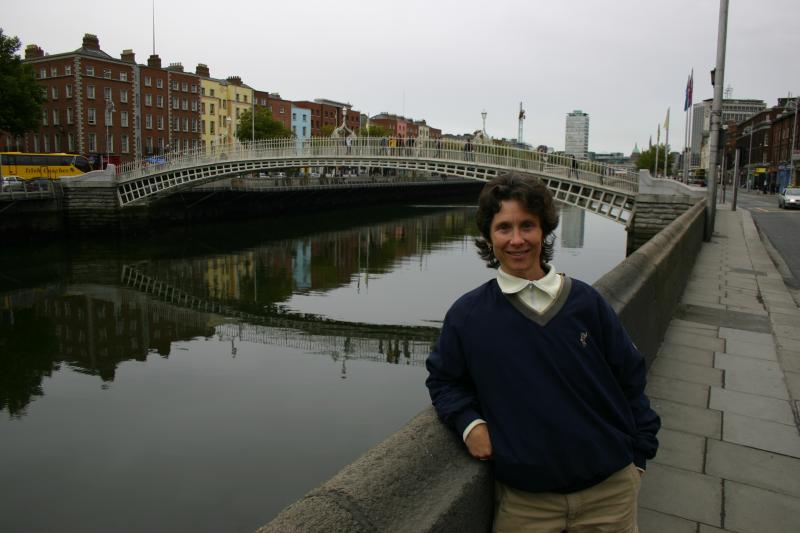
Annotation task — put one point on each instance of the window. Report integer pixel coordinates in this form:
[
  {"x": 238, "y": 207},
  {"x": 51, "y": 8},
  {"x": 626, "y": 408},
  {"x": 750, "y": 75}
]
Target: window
[
  {"x": 90, "y": 92},
  {"x": 44, "y": 117},
  {"x": 160, "y": 122},
  {"x": 148, "y": 81},
  {"x": 55, "y": 117},
  {"x": 123, "y": 96},
  {"x": 110, "y": 143},
  {"x": 175, "y": 102},
  {"x": 203, "y": 126},
  {"x": 123, "y": 76},
  {"x": 56, "y": 143},
  {"x": 109, "y": 117},
  {"x": 42, "y": 73},
  {"x": 294, "y": 116},
  {"x": 125, "y": 144},
  {"x": 91, "y": 116},
  {"x": 177, "y": 125},
  {"x": 212, "y": 92},
  {"x": 175, "y": 85},
  {"x": 69, "y": 115},
  {"x": 237, "y": 97},
  {"x": 123, "y": 119},
  {"x": 54, "y": 93},
  {"x": 202, "y": 91},
  {"x": 92, "y": 142},
  {"x": 53, "y": 72},
  {"x": 148, "y": 122},
  {"x": 161, "y": 143},
  {"x": 149, "y": 145},
  {"x": 160, "y": 83},
  {"x": 237, "y": 112},
  {"x": 35, "y": 143},
  {"x": 281, "y": 110},
  {"x": 294, "y": 130},
  {"x": 304, "y": 131},
  {"x": 194, "y": 105},
  {"x": 46, "y": 140},
  {"x": 212, "y": 127},
  {"x": 70, "y": 142},
  {"x": 148, "y": 100},
  {"x": 68, "y": 70},
  {"x": 159, "y": 100},
  {"x": 212, "y": 108},
  {"x": 185, "y": 87},
  {"x": 185, "y": 105},
  {"x": 185, "y": 124},
  {"x": 107, "y": 73},
  {"x": 195, "y": 125},
  {"x": 68, "y": 91},
  {"x": 194, "y": 88},
  {"x": 89, "y": 70},
  {"x": 107, "y": 94},
  {"x": 305, "y": 117}
]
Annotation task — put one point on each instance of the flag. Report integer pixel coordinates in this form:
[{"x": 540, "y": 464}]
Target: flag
[{"x": 689, "y": 87}]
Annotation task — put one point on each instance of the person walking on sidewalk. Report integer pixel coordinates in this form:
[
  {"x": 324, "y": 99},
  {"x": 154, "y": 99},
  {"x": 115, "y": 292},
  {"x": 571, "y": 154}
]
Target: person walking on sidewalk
[{"x": 535, "y": 372}]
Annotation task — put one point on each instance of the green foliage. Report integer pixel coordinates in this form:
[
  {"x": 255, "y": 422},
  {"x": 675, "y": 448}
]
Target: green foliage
[
  {"x": 374, "y": 130},
  {"x": 647, "y": 159},
  {"x": 266, "y": 126},
  {"x": 327, "y": 130},
  {"x": 20, "y": 95}
]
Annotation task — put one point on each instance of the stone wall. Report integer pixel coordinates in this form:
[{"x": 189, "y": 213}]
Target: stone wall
[
  {"x": 651, "y": 214},
  {"x": 421, "y": 478}
]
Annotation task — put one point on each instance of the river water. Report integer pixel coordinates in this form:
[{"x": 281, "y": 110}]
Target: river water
[{"x": 206, "y": 378}]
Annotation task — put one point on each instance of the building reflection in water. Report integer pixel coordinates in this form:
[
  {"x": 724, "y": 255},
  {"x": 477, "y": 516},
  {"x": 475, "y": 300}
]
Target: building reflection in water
[
  {"x": 93, "y": 328},
  {"x": 573, "y": 226}
]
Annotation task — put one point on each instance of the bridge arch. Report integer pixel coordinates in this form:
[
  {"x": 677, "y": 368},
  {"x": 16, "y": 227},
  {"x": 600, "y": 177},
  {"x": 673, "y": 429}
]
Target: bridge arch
[{"x": 595, "y": 187}]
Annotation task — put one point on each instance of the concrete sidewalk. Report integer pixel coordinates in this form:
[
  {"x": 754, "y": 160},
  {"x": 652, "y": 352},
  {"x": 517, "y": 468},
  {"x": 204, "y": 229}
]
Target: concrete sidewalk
[{"x": 726, "y": 383}]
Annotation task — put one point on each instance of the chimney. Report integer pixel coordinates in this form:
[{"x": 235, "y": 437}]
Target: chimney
[
  {"x": 175, "y": 67},
  {"x": 91, "y": 42},
  {"x": 202, "y": 70},
  {"x": 235, "y": 80},
  {"x": 128, "y": 56},
  {"x": 154, "y": 61},
  {"x": 32, "y": 52}
]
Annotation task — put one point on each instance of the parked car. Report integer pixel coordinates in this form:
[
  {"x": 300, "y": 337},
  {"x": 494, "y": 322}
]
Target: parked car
[
  {"x": 789, "y": 197},
  {"x": 12, "y": 184},
  {"x": 315, "y": 174}
]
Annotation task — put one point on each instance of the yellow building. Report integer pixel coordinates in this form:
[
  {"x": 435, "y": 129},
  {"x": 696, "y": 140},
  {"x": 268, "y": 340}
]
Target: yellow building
[{"x": 222, "y": 103}]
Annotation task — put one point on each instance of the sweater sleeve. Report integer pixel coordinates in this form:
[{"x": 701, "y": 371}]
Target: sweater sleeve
[
  {"x": 628, "y": 366},
  {"x": 449, "y": 383}
]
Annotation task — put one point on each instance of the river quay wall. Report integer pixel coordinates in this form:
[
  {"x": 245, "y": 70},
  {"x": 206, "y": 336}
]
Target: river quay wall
[{"x": 422, "y": 479}]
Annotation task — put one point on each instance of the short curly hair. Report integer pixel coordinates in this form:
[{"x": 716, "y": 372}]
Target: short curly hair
[{"x": 532, "y": 194}]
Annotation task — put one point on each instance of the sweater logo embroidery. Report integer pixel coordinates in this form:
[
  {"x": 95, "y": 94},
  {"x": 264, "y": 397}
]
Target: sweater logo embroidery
[{"x": 584, "y": 337}]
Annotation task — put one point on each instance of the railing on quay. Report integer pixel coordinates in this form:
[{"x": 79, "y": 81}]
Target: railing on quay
[
  {"x": 383, "y": 148},
  {"x": 29, "y": 190}
]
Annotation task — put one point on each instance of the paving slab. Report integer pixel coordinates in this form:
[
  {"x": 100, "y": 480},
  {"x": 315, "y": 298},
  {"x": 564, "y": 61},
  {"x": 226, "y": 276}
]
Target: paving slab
[
  {"x": 748, "y": 349},
  {"x": 751, "y": 466},
  {"x": 791, "y": 332},
  {"x": 673, "y": 368},
  {"x": 709, "y": 529},
  {"x": 696, "y": 341},
  {"x": 691, "y": 324},
  {"x": 717, "y": 317},
  {"x": 705, "y": 302},
  {"x": 674, "y": 329},
  {"x": 682, "y": 494},
  {"x": 789, "y": 360},
  {"x": 687, "y": 354},
  {"x": 745, "y": 335},
  {"x": 756, "y": 376},
  {"x": 793, "y": 384},
  {"x": 688, "y": 418},
  {"x": 677, "y": 390},
  {"x": 753, "y": 510},
  {"x": 742, "y": 301},
  {"x": 762, "y": 434},
  {"x": 680, "y": 450},
  {"x": 749, "y": 310},
  {"x": 752, "y": 405},
  {"x": 654, "y": 522}
]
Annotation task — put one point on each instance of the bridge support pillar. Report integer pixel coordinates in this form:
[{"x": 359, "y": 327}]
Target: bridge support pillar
[
  {"x": 651, "y": 214},
  {"x": 91, "y": 204}
]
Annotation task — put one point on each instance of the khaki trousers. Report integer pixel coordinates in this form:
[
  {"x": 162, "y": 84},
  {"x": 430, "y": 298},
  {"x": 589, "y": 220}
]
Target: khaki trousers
[{"x": 609, "y": 506}]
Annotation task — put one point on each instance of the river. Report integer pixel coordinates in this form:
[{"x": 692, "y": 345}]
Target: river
[{"x": 206, "y": 378}]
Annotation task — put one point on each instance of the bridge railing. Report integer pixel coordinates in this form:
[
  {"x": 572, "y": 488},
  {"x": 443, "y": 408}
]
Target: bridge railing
[{"x": 366, "y": 148}]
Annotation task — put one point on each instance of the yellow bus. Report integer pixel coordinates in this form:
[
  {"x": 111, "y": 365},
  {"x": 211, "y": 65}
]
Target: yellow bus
[{"x": 42, "y": 166}]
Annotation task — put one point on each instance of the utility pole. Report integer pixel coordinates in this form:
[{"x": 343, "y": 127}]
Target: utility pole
[{"x": 716, "y": 116}]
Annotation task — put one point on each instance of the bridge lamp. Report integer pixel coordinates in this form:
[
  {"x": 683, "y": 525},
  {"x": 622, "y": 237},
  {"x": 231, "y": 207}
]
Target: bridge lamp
[{"x": 483, "y": 116}]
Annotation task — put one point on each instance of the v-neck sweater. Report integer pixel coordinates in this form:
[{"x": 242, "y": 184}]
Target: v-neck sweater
[{"x": 562, "y": 392}]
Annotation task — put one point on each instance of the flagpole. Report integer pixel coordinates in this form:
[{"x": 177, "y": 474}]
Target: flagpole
[
  {"x": 666, "y": 147},
  {"x": 686, "y": 148},
  {"x": 658, "y": 141}
]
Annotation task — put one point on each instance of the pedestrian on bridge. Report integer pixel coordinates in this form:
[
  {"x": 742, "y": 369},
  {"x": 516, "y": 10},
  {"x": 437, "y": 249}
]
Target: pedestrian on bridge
[{"x": 535, "y": 372}]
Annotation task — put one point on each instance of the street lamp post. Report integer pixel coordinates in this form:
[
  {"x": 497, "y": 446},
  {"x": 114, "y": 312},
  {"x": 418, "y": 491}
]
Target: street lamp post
[
  {"x": 109, "y": 110},
  {"x": 794, "y": 139},
  {"x": 483, "y": 116},
  {"x": 749, "y": 154}
]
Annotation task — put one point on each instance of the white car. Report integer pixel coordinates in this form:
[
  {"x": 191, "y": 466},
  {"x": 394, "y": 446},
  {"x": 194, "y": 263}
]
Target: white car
[
  {"x": 315, "y": 174},
  {"x": 11, "y": 184},
  {"x": 789, "y": 197}
]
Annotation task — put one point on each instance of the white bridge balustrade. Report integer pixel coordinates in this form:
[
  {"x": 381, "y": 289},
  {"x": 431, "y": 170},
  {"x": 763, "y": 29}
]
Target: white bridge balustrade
[{"x": 595, "y": 187}]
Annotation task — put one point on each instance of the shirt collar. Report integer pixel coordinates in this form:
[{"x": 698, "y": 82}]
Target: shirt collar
[{"x": 549, "y": 284}]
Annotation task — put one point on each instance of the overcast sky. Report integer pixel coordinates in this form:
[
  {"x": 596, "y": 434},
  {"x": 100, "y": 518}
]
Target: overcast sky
[{"x": 622, "y": 61}]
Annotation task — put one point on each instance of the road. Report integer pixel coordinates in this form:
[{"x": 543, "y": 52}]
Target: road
[{"x": 780, "y": 226}]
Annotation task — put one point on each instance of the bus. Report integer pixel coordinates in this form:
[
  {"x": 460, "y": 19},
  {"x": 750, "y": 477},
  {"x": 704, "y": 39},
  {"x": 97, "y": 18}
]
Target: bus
[{"x": 29, "y": 166}]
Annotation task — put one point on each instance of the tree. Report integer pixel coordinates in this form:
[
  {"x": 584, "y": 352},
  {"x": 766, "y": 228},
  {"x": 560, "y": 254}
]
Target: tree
[
  {"x": 647, "y": 159},
  {"x": 374, "y": 130},
  {"x": 21, "y": 97},
  {"x": 266, "y": 126},
  {"x": 327, "y": 130}
]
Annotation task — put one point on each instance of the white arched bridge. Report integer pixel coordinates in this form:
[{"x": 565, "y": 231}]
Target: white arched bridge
[{"x": 596, "y": 187}]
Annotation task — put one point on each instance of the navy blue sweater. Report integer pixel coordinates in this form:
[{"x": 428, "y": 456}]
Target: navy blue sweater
[{"x": 562, "y": 393}]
